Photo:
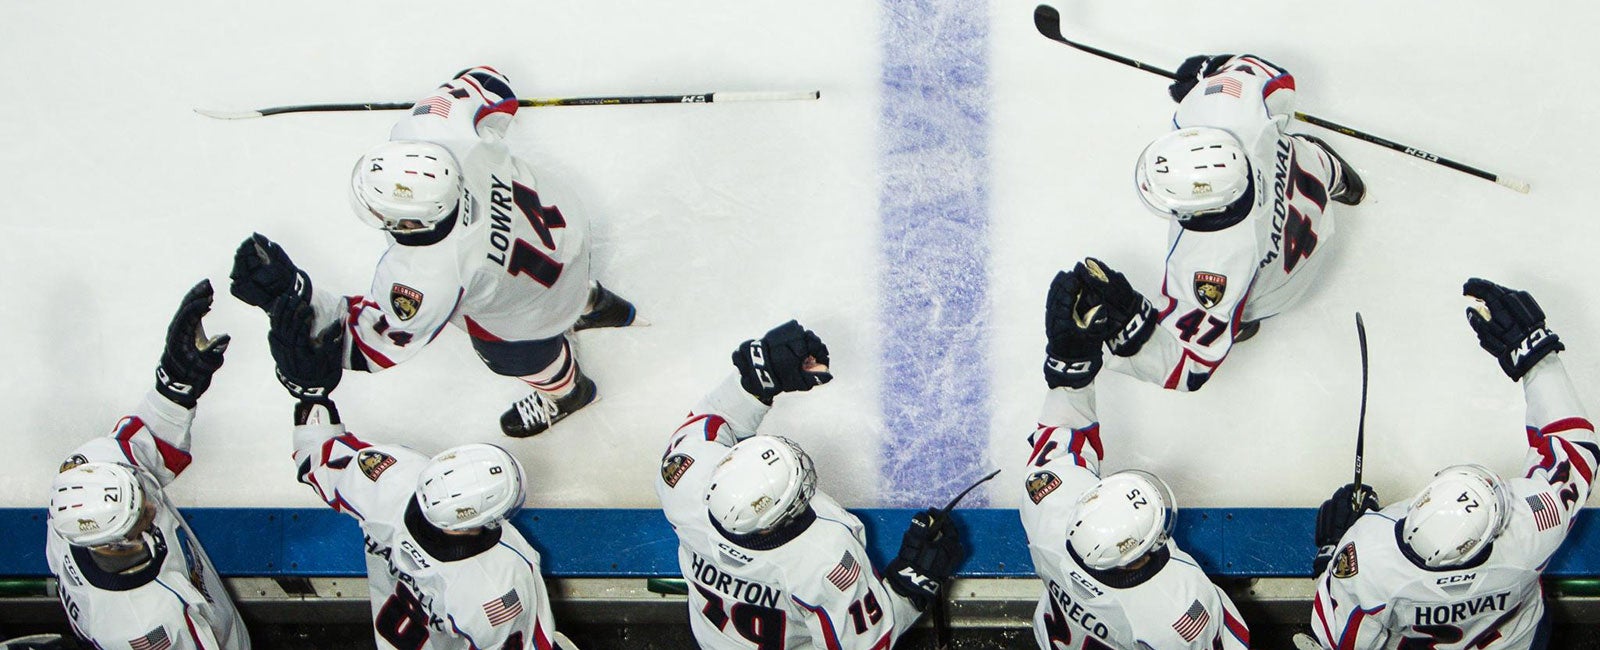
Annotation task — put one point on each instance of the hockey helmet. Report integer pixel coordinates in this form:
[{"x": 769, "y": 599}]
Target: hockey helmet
[
  {"x": 470, "y": 486},
  {"x": 1192, "y": 172},
  {"x": 1456, "y": 516},
  {"x": 94, "y": 504},
  {"x": 406, "y": 186},
  {"x": 1127, "y": 515},
  {"x": 764, "y": 481}
]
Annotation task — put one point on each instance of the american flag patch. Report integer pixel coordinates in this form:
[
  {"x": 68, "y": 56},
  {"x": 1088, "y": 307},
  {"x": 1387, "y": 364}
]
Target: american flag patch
[
  {"x": 1225, "y": 85},
  {"x": 1545, "y": 512},
  {"x": 1192, "y": 622},
  {"x": 504, "y": 608},
  {"x": 155, "y": 640},
  {"x": 845, "y": 574},
  {"x": 440, "y": 106}
]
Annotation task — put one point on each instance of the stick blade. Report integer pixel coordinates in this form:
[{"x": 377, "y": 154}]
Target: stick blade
[
  {"x": 1518, "y": 185},
  {"x": 1048, "y": 21},
  {"x": 227, "y": 115},
  {"x": 777, "y": 96}
]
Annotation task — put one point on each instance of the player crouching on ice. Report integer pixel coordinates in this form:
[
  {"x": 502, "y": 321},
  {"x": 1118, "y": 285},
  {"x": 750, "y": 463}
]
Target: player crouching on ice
[
  {"x": 445, "y": 570},
  {"x": 478, "y": 239},
  {"x": 771, "y": 561},
  {"x": 132, "y": 573},
  {"x": 1458, "y": 565},
  {"x": 1113, "y": 576},
  {"x": 1248, "y": 204}
]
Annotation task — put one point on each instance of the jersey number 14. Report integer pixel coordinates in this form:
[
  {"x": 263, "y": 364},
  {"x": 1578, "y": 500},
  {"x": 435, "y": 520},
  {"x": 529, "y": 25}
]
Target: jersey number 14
[{"x": 526, "y": 258}]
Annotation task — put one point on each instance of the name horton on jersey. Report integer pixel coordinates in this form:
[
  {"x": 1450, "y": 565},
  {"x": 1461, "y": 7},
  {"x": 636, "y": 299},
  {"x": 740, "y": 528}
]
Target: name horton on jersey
[{"x": 707, "y": 574}]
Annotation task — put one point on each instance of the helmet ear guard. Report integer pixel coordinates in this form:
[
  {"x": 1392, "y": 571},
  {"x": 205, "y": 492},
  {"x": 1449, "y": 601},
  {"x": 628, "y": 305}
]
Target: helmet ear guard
[
  {"x": 1192, "y": 172},
  {"x": 1125, "y": 517}
]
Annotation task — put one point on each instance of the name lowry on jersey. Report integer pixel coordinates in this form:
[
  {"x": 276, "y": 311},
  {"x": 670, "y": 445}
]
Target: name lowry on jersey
[
  {"x": 754, "y": 593},
  {"x": 424, "y": 599},
  {"x": 1076, "y": 613},
  {"x": 1455, "y": 612}
]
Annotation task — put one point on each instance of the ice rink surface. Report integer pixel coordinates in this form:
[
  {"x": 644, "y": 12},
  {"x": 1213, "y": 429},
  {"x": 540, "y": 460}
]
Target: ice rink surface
[{"x": 720, "y": 221}]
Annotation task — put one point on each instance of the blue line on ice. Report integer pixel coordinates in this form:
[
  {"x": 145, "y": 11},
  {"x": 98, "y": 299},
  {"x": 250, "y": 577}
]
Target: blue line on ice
[{"x": 934, "y": 249}]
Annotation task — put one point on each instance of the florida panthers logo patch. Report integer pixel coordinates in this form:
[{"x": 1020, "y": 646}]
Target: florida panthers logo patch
[
  {"x": 405, "y": 301},
  {"x": 674, "y": 467},
  {"x": 1344, "y": 564},
  {"x": 374, "y": 463},
  {"x": 1041, "y": 484},
  {"x": 1209, "y": 288}
]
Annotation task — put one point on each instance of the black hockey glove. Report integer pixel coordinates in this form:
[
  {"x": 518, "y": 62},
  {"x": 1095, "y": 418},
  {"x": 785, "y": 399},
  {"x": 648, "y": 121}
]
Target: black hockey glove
[
  {"x": 1510, "y": 326},
  {"x": 929, "y": 554},
  {"x": 190, "y": 356},
  {"x": 262, "y": 272},
  {"x": 1192, "y": 71},
  {"x": 778, "y": 362},
  {"x": 1112, "y": 305},
  {"x": 1336, "y": 516},
  {"x": 308, "y": 365},
  {"x": 1073, "y": 355}
]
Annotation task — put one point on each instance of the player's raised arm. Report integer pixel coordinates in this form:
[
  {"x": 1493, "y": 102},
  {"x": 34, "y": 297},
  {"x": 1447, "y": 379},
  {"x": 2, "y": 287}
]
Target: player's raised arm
[
  {"x": 477, "y": 103},
  {"x": 788, "y": 358},
  {"x": 1076, "y": 321},
  {"x": 1562, "y": 447}
]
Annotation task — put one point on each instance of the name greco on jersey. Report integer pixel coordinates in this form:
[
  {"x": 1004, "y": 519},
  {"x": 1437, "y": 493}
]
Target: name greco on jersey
[
  {"x": 1451, "y": 613},
  {"x": 754, "y": 593},
  {"x": 1280, "y": 207},
  {"x": 500, "y": 203},
  {"x": 424, "y": 599},
  {"x": 1076, "y": 613}
]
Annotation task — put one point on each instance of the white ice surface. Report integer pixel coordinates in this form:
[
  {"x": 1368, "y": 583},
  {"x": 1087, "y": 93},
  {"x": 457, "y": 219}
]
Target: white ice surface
[{"x": 722, "y": 220}]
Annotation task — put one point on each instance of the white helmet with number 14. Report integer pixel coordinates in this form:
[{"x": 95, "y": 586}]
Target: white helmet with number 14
[{"x": 406, "y": 186}]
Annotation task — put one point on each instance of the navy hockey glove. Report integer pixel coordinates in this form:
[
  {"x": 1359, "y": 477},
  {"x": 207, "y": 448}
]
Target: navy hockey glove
[
  {"x": 789, "y": 358},
  {"x": 1336, "y": 516},
  {"x": 929, "y": 554},
  {"x": 308, "y": 365},
  {"x": 262, "y": 272},
  {"x": 1510, "y": 326},
  {"x": 1192, "y": 70},
  {"x": 190, "y": 356},
  {"x": 1073, "y": 355},
  {"x": 1111, "y": 305}
]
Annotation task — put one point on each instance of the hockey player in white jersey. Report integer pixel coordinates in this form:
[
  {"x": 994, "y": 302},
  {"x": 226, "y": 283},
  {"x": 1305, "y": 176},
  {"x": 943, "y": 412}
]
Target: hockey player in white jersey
[
  {"x": 478, "y": 239},
  {"x": 1102, "y": 544},
  {"x": 1457, "y": 566},
  {"x": 132, "y": 574},
  {"x": 1250, "y": 221},
  {"x": 445, "y": 570},
  {"x": 772, "y": 563}
]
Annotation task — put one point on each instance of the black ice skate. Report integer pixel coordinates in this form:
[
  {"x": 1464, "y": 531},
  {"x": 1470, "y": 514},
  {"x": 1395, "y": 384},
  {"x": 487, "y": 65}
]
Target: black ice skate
[
  {"x": 1350, "y": 190},
  {"x": 1247, "y": 330},
  {"x": 610, "y": 310},
  {"x": 533, "y": 414}
]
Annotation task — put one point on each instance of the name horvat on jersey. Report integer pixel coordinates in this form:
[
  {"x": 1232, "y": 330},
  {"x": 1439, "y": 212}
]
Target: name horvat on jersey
[
  {"x": 1280, "y": 193},
  {"x": 424, "y": 599},
  {"x": 1076, "y": 613},
  {"x": 1449, "y": 614},
  {"x": 754, "y": 593}
]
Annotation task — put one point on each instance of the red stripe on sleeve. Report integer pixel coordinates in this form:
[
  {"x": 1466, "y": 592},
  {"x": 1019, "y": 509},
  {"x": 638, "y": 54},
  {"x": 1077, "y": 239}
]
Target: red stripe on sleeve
[
  {"x": 1577, "y": 460},
  {"x": 174, "y": 458},
  {"x": 1236, "y": 627},
  {"x": 126, "y": 429},
  {"x": 1280, "y": 82},
  {"x": 1566, "y": 424},
  {"x": 507, "y": 106},
  {"x": 540, "y": 641},
  {"x": 192, "y": 634},
  {"x": 1039, "y": 446}
]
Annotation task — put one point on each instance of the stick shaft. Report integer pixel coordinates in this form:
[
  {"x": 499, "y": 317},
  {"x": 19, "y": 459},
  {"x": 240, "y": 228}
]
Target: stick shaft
[
  {"x": 1361, "y": 422},
  {"x": 618, "y": 100},
  {"x": 1048, "y": 21}
]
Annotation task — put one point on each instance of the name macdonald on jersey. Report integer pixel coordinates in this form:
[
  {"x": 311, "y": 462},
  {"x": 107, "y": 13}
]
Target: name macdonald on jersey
[
  {"x": 1280, "y": 211},
  {"x": 424, "y": 599},
  {"x": 1076, "y": 613},
  {"x": 754, "y": 593},
  {"x": 1450, "y": 614}
]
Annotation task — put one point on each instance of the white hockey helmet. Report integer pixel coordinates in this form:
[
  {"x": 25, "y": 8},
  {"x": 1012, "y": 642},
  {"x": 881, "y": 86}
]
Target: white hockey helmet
[
  {"x": 1127, "y": 515},
  {"x": 764, "y": 481},
  {"x": 470, "y": 486},
  {"x": 1192, "y": 172},
  {"x": 406, "y": 186},
  {"x": 1457, "y": 515},
  {"x": 96, "y": 503}
]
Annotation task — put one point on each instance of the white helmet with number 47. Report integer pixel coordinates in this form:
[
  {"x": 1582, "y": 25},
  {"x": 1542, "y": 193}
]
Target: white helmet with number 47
[
  {"x": 406, "y": 186},
  {"x": 763, "y": 482},
  {"x": 1192, "y": 172},
  {"x": 470, "y": 486},
  {"x": 1125, "y": 517},
  {"x": 1456, "y": 516}
]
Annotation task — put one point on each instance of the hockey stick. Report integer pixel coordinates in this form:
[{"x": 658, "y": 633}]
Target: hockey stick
[
  {"x": 621, "y": 100},
  {"x": 1048, "y": 21},
  {"x": 941, "y": 605},
  {"x": 1361, "y": 423}
]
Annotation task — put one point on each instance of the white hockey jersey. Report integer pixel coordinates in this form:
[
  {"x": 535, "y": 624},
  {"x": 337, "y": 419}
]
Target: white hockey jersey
[
  {"x": 1173, "y": 606},
  {"x": 1218, "y": 279},
  {"x": 514, "y": 266},
  {"x": 1374, "y": 596},
  {"x": 177, "y": 601},
  {"x": 815, "y": 590},
  {"x": 493, "y": 599}
]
